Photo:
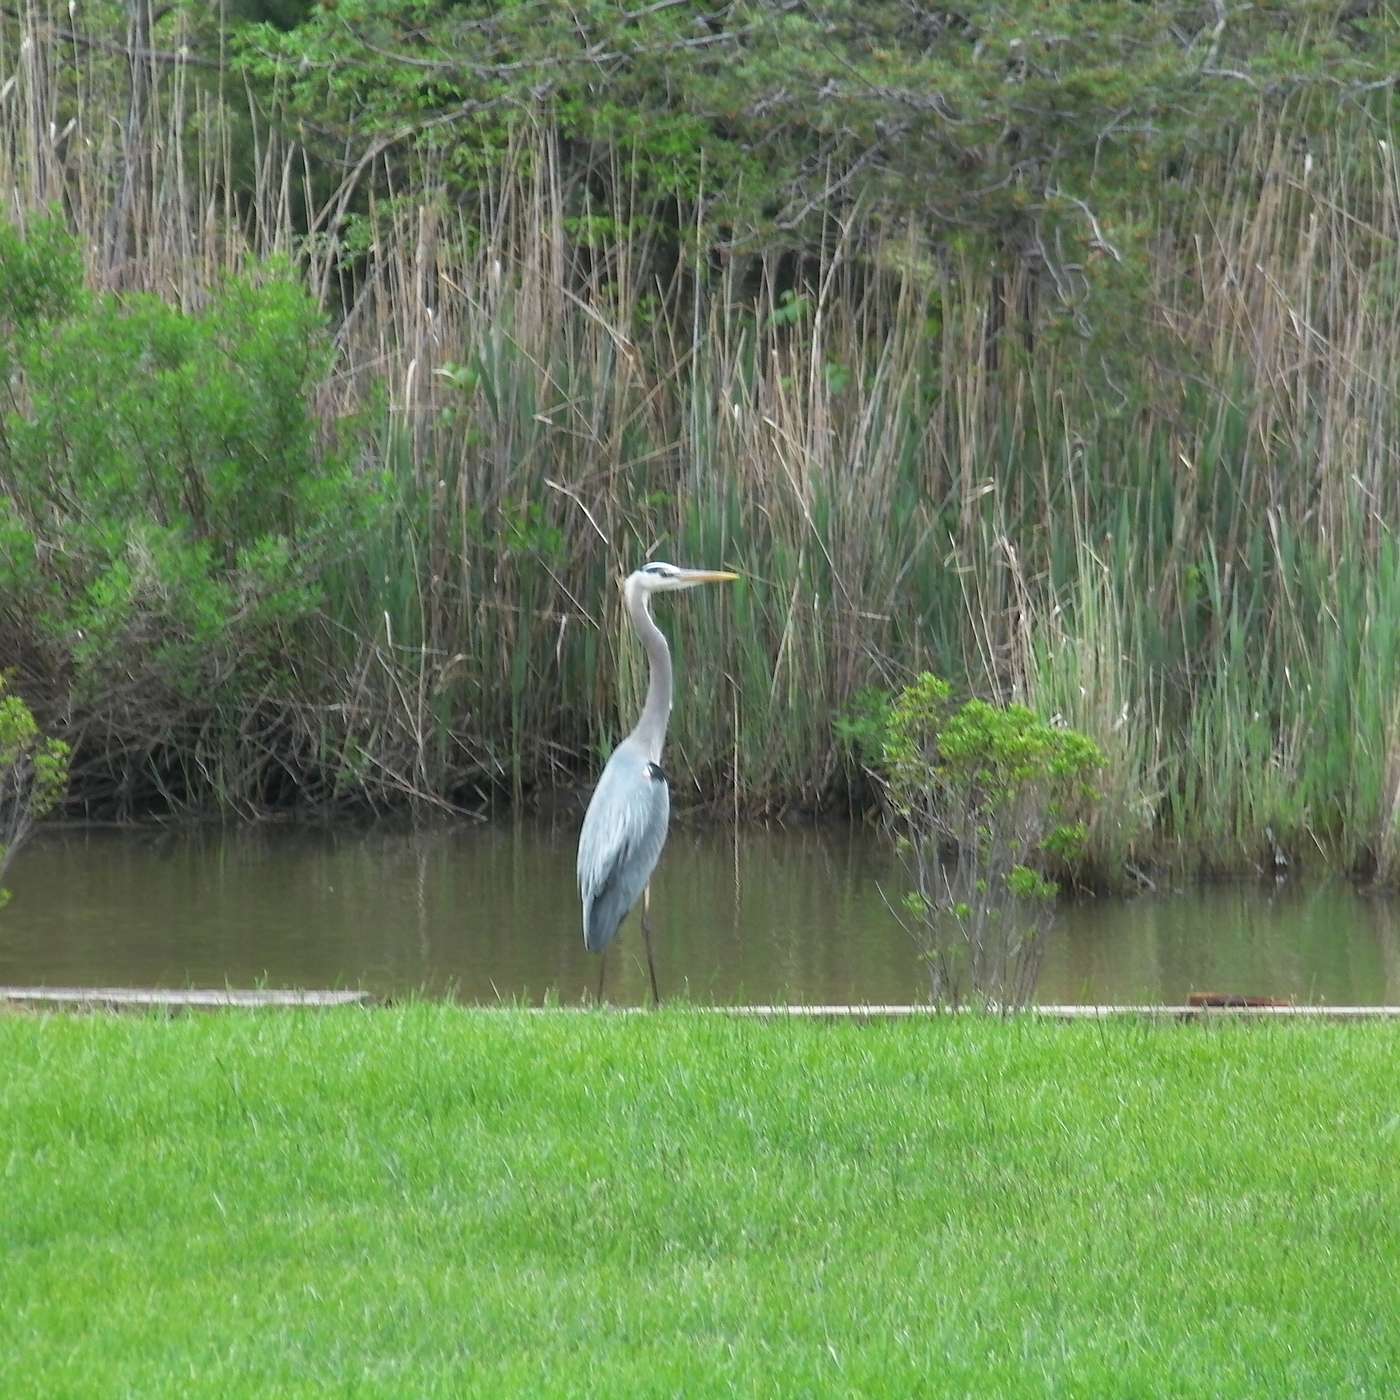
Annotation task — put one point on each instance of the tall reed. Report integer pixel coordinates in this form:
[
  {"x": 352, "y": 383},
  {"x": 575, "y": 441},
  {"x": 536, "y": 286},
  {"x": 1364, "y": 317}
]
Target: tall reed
[{"x": 1187, "y": 551}]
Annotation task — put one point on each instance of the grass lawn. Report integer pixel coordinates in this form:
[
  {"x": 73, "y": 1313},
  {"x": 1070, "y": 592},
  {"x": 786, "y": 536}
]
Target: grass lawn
[{"x": 434, "y": 1201}]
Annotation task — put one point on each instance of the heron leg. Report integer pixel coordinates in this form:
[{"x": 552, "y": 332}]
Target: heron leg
[
  {"x": 646, "y": 935},
  {"x": 602, "y": 968}
]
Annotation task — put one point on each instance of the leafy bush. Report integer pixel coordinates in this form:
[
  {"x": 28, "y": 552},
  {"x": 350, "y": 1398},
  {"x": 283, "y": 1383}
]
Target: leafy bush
[
  {"x": 986, "y": 800},
  {"x": 1021, "y": 134},
  {"x": 40, "y": 281},
  {"x": 33, "y": 775},
  {"x": 167, "y": 503}
]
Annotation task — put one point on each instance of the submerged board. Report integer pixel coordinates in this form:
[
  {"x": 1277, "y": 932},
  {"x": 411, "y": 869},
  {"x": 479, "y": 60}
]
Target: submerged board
[{"x": 175, "y": 998}]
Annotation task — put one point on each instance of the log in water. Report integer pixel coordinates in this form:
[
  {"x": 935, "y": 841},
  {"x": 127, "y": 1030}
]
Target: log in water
[{"x": 174, "y": 999}]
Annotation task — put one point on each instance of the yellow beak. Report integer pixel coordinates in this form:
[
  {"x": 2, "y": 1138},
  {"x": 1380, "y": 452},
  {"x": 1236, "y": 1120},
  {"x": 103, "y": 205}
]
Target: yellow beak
[{"x": 709, "y": 576}]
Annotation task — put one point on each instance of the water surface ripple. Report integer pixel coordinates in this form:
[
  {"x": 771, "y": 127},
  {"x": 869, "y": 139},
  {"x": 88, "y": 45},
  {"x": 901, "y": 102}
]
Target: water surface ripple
[{"x": 490, "y": 913}]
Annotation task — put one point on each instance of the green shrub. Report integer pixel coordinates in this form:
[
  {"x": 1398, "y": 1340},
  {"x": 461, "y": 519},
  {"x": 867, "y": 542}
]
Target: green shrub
[
  {"x": 168, "y": 501},
  {"x": 986, "y": 801},
  {"x": 33, "y": 775},
  {"x": 40, "y": 282}
]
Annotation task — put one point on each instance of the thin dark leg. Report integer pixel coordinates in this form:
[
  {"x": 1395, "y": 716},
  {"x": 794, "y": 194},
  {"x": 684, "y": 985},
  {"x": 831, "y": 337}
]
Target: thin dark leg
[
  {"x": 646, "y": 935},
  {"x": 602, "y": 968}
]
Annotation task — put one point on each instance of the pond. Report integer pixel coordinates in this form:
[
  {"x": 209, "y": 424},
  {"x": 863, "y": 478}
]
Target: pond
[{"x": 489, "y": 913}]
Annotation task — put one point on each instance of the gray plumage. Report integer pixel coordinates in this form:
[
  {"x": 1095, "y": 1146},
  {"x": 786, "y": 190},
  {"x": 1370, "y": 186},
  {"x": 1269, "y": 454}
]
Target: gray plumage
[
  {"x": 624, "y": 828},
  {"x": 621, "y": 841}
]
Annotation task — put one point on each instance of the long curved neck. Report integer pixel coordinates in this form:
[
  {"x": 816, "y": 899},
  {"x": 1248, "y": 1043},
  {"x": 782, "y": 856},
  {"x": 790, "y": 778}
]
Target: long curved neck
[{"x": 651, "y": 727}]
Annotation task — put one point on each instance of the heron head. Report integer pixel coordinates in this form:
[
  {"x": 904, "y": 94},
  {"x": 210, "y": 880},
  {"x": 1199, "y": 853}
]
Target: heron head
[{"x": 664, "y": 578}]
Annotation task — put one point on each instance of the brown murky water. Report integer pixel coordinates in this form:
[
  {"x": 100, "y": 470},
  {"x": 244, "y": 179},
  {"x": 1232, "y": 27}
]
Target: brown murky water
[{"x": 491, "y": 913}]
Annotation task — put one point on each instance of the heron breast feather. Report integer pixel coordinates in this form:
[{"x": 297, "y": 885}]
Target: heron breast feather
[{"x": 623, "y": 833}]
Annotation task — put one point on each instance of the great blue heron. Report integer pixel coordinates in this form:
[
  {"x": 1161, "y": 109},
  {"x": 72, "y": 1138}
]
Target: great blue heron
[{"x": 624, "y": 828}]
